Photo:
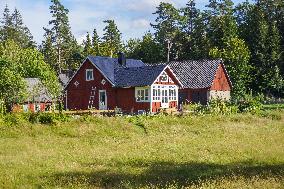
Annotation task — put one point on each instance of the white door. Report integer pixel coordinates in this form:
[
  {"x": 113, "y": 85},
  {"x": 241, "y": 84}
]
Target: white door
[
  {"x": 102, "y": 100},
  {"x": 165, "y": 98}
]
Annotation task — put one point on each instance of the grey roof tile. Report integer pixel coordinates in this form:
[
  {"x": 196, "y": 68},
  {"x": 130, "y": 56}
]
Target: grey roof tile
[
  {"x": 36, "y": 91},
  {"x": 137, "y": 76},
  {"x": 196, "y": 74},
  {"x": 108, "y": 65}
]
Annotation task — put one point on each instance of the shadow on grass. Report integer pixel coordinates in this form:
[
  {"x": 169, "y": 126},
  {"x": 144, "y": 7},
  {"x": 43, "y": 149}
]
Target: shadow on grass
[{"x": 161, "y": 174}]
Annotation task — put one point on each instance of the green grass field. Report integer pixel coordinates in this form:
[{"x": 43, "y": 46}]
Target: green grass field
[{"x": 236, "y": 151}]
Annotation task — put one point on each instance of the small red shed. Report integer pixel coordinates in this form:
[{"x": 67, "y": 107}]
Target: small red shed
[
  {"x": 107, "y": 83},
  {"x": 202, "y": 80},
  {"x": 38, "y": 100}
]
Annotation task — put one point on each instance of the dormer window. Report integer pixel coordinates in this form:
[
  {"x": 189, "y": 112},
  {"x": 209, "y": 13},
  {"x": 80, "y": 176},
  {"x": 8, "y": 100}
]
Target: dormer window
[
  {"x": 164, "y": 77},
  {"x": 89, "y": 74}
]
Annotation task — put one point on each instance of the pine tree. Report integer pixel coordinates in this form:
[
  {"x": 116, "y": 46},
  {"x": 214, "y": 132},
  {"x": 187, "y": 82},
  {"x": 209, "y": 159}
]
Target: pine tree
[
  {"x": 87, "y": 46},
  {"x": 22, "y": 33},
  {"x": 49, "y": 52},
  {"x": 13, "y": 28},
  {"x": 195, "y": 45},
  {"x": 7, "y": 25},
  {"x": 62, "y": 38},
  {"x": 111, "y": 39},
  {"x": 191, "y": 13},
  {"x": 168, "y": 28},
  {"x": 222, "y": 23},
  {"x": 96, "y": 43}
]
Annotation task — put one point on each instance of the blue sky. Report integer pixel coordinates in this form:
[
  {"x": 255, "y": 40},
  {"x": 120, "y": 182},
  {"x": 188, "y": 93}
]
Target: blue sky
[{"x": 133, "y": 17}]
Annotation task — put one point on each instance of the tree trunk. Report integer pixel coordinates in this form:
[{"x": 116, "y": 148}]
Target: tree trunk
[{"x": 169, "y": 50}]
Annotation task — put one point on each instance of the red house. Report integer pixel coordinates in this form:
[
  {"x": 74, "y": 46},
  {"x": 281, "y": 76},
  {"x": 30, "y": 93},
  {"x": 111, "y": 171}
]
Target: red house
[
  {"x": 107, "y": 83},
  {"x": 202, "y": 80}
]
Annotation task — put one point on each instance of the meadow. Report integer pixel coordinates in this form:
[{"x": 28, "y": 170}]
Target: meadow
[{"x": 204, "y": 151}]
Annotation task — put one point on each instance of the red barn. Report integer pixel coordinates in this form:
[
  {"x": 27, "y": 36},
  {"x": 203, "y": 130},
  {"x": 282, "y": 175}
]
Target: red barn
[
  {"x": 202, "y": 80},
  {"x": 107, "y": 83}
]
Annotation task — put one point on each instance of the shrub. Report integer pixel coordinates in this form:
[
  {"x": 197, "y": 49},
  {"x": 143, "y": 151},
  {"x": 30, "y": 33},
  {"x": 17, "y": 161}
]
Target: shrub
[
  {"x": 2, "y": 107},
  {"x": 221, "y": 107},
  {"x": 250, "y": 103},
  {"x": 213, "y": 107},
  {"x": 13, "y": 119}
]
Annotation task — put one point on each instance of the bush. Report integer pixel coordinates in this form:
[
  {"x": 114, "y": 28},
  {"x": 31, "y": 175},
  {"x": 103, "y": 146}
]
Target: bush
[
  {"x": 213, "y": 107},
  {"x": 12, "y": 119},
  {"x": 250, "y": 103},
  {"x": 221, "y": 107}
]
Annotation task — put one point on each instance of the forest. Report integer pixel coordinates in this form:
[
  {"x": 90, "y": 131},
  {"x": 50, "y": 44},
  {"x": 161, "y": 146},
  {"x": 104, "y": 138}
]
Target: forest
[{"x": 249, "y": 37}]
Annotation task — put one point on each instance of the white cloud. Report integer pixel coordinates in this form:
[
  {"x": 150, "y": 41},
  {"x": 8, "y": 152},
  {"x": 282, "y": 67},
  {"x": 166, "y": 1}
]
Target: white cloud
[
  {"x": 146, "y": 5},
  {"x": 140, "y": 23},
  {"x": 133, "y": 17}
]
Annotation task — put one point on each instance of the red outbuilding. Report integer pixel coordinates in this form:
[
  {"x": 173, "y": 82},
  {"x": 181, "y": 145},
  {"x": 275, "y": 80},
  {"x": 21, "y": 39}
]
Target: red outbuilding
[
  {"x": 105, "y": 83},
  {"x": 202, "y": 80}
]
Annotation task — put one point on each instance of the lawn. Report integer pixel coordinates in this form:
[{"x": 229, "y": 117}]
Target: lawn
[{"x": 235, "y": 151}]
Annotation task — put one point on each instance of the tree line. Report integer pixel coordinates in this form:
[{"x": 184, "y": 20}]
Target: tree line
[{"x": 249, "y": 37}]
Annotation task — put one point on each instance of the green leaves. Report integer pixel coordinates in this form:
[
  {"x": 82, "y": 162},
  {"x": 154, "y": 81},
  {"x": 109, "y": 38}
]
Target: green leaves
[
  {"x": 12, "y": 85},
  {"x": 111, "y": 39},
  {"x": 13, "y": 28},
  {"x": 236, "y": 56},
  {"x": 17, "y": 64}
]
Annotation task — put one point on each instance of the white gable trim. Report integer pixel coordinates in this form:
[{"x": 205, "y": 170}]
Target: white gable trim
[
  {"x": 226, "y": 74},
  {"x": 168, "y": 75},
  {"x": 80, "y": 69}
]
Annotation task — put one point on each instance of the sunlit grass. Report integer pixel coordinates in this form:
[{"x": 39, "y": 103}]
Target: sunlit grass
[{"x": 236, "y": 151}]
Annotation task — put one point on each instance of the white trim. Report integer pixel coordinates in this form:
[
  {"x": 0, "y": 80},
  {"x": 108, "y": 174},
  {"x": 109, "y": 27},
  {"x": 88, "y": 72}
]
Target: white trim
[
  {"x": 86, "y": 74},
  {"x": 151, "y": 100},
  {"x": 80, "y": 69},
  {"x": 105, "y": 99},
  {"x": 226, "y": 74},
  {"x": 66, "y": 100},
  {"x": 142, "y": 89},
  {"x": 168, "y": 76},
  {"x": 168, "y": 88}
]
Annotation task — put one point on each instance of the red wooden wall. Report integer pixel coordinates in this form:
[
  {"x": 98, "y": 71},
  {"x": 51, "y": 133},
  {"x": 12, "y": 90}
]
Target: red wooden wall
[
  {"x": 78, "y": 97},
  {"x": 125, "y": 99},
  {"x": 220, "y": 83},
  {"x": 221, "y": 80}
]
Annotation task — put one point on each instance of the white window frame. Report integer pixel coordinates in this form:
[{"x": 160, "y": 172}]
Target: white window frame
[
  {"x": 172, "y": 92},
  {"x": 156, "y": 93},
  {"x": 142, "y": 94},
  {"x": 92, "y": 78}
]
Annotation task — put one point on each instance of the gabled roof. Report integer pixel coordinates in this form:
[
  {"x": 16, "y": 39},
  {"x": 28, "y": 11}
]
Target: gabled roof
[
  {"x": 37, "y": 91},
  {"x": 135, "y": 73},
  {"x": 137, "y": 76},
  {"x": 197, "y": 74},
  {"x": 108, "y": 65}
]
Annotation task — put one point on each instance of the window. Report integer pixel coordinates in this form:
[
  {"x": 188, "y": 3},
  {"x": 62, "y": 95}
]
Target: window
[
  {"x": 172, "y": 93},
  {"x": 164, "y": 77},
  {"x": 142, "y": 95},
  {"x": 89, "y": 74},
  {"x": 156, "y": 93}
]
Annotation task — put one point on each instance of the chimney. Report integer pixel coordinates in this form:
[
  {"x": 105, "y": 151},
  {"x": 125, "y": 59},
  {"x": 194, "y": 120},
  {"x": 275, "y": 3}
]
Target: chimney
[{"x": 121, "y": 59}]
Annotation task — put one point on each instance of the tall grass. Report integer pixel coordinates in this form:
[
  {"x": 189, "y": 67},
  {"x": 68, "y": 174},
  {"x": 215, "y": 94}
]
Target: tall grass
[{"x": 208, "y": 151}]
